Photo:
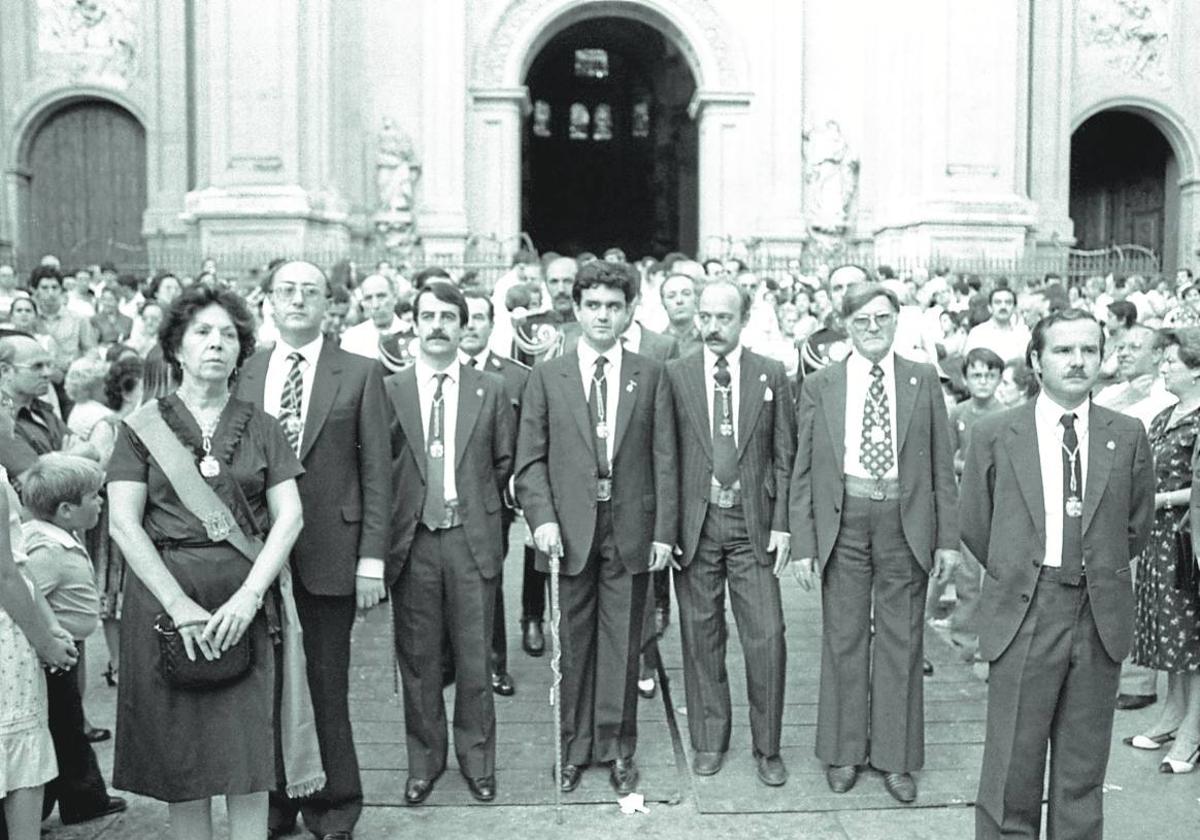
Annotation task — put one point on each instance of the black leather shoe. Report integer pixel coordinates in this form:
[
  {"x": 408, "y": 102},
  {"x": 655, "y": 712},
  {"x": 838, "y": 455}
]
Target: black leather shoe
[
  {"x": 927, "y": 668},
  {"x": 624, "y": 776},
  {"x": 95, "y": 735},
  {"x": 532, "y": 640},
  {"x": 482, "y": 788},
  {"x": 841, "y": 777},
  {"x": 115, "y": 806},
  {"x": 707, "y": 763},
  {"x": 901, "y": 786},
  {"x": 417, "y": 791},
  {"x": 1129, "y": 702},
  {"x": 571, "y": 774},
  {"x": 771, "y": 770},
  {"x": 502, "y": 684}
]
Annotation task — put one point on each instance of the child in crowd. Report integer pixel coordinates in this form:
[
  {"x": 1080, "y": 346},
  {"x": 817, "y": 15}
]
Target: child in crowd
[{"x": 62, "y": 494}]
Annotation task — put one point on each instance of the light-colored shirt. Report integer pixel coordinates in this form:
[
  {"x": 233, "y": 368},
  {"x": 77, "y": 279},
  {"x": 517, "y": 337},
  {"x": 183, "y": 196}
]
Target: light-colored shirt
[
  {"x": 60, "y": 567},
  {"x": 363, "y": 339},
  {"x": 631, "y": 339},
  {"x": 72, "y": 336},
  {"x": 278, "y": 368},
  {"x": 612, "y": 374},
  {"x": 480, "y": 358},
  {"x": 426, "y": 386},
  {"x": 1006, "y": 342},
  {"x": 1144, "y": 398},
  {"x": 1048, "y": 421},
  {"x": 858, "y": 381}
]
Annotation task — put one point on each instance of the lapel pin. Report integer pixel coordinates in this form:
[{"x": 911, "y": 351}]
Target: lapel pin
[
  {"x": 762, "y": 377},
  {"x": 1110, "y": 445},
  {"x": 768, "y": 395},
  {"x": 479, "y": 392},
  {"x": 912, "y": 380},
  {"x": 632, "y": 384}
]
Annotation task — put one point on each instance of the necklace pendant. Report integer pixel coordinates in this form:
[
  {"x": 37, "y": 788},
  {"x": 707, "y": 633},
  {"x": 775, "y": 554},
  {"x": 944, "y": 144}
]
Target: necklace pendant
[
  {"x": 1074, "y": 507},
  {"x": 210, "y": 467},
  {"x": 726, "y": 429}
]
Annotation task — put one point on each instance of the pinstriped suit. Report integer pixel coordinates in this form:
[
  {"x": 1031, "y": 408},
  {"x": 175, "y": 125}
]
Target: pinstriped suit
[{"x": 721, "y": 546}]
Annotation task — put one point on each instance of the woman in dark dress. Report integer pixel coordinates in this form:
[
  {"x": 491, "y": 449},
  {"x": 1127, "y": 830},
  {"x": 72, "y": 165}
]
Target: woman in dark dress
[
  {"x": 1166, "y": 635},
  {"x": 179, "y": 746}
]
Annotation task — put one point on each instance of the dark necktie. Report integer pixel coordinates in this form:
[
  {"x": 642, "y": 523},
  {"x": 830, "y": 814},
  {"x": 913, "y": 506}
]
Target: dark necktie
[
  {"x": 433, "y": 514},
  {"x": 473, "y": 361},
  {"x": 291, "y": 402},
  {"x": 724, "y": 449},
  {"x": 875, "y": 450},
  {"x": 1072, "y": 538},
  {"x": 601, "y": 422}
]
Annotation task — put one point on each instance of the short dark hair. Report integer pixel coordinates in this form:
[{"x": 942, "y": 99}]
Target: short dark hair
[
  {"x": 1002, "y": 286},
  {"x": 124, "y": 374},
  {"x": 476, "y": 294},
  {"x": 616, "y": 275},
  {"x": 859, "y": 295},
  {"x": 1187, "y": 339},
  {"x": 984, "y": 356},
  {"x": 1124, "y": 312},
  {"x": 430, "y": 272},
  {"x": 446, "y": 292},
  {"x": 614, "y": 252},
  {"x": 44, "y": 272},
  {"x": 183, "y": 310},
  {"x": 1037, "y": 340},
  {"x": 157, "y": 280}
]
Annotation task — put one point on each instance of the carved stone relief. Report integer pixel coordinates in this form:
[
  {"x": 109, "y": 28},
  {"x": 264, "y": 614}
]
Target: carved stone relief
[
  {"x": 93, "y": 37},
  {"x": 397, "y": 171},
  {"x": 1130, "y": 36},
  {"x": 830, "y": 179}
]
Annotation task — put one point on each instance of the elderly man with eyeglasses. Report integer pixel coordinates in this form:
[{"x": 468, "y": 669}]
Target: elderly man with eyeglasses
[{"x": 25, "y": 373}]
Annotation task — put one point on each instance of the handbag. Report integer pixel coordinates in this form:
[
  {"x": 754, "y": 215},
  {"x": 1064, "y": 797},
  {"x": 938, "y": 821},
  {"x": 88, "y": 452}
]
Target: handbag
[{"x": 200, "y": 674}]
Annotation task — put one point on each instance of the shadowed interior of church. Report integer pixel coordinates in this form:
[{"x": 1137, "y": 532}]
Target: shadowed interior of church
[{"x": 609, "y": 152}]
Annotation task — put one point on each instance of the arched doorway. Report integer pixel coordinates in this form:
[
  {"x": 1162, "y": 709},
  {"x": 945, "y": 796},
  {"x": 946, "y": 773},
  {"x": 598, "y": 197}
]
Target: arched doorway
[
  {"x": 85, "y": 186},
  {"x": 609, "y": 151},
  {"x": 1124, "y": 185}
]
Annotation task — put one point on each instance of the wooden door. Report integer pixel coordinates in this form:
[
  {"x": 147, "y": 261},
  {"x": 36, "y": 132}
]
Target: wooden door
[{"x": 87, "y": 187}]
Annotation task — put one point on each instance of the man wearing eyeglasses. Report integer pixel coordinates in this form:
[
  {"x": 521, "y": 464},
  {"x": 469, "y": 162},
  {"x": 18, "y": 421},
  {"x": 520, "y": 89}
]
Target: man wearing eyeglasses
[
  {"x": 873, "y": 517},
  {"x": 332, "y": 407},
  {"x": 25, "y": 374}
]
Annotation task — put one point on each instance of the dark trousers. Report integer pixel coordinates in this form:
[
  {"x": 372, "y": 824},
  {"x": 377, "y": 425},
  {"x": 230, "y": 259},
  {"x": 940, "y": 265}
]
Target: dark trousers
[
  {"x": 1052, "y": 687},
  {"x": 499, "y": 631},
  {"x": 533, "y": 588},
  {"x": 603, "y": 608},
  {"x": 725, "y": 555},
  {"x": 79, "y": 789},
  {"x": 872, "y": 703},
  {"x": 440, "y": 590},
  {"x": 327, "y": 623}
]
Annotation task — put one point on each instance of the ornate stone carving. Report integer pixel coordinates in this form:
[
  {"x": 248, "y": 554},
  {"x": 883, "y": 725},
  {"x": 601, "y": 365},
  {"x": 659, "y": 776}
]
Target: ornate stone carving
[
  {"x": 830, "y": 178},
  {"x": 98, "y": 37},
  {"x": 1128, "y": 35},
  {"x": 497, "y": 45},
  {"x": 579, "y": 121},
  {"x": 541, "y": 118},
  {"x": 397, "y": 170},
  {"x": 603, "y": 122}
]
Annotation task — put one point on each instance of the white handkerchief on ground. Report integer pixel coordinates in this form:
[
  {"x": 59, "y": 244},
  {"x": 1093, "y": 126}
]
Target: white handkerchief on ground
[{"x": 633, "y": 803}]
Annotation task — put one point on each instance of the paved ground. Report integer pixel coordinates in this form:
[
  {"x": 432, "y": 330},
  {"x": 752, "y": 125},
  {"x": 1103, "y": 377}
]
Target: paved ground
[{"x": 1140, "y": 802}]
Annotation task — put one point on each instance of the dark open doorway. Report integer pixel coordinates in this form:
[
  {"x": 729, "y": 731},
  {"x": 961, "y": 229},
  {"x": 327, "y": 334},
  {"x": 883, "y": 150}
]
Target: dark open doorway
[{"x": 609, "y": 153}]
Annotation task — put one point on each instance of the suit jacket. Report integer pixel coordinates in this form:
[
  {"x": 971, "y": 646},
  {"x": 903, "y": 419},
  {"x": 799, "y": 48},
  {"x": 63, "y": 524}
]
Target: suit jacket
[
  {"x": 346, "y": 488},
  {"x": 1004, "y": 523},
  {"x": 514, "y": 375},
  {"x": 765, "y": 444},
  {"x": 924, "y": 460},
  {"x": 483, "y": 459},
  {"x": 556, "y": 461}
]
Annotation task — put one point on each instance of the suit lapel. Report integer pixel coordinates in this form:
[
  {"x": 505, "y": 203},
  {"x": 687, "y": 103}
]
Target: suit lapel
[
  {"x": 834, "y": 402},
  {"x": 470, "y": 401},
  {"x": 320, "y": 401},
  {"x": 407, "y": 403},
  {"x": 695, "y": 397},
  {"x": 1027, "y": 465},
  {"x": 1101, "y": 448},
  {"x": 254, "y": 378},
  {"x": 907, "y": 385},
  {"x": 627, "y": 397},
  {"x": 572, "y": 385},
  {"x": 752, "y": 389}
]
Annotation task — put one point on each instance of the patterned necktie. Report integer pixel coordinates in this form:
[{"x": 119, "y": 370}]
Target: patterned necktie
[
  {"x": 875, "y": 450},
  {"x": 291, "y": 403},
  {"x": 724, "y": 449},
  {"x": 433, "y": 513},
  {"x": 602, "y": 423},
  {"x": 1072, "y": 537}
]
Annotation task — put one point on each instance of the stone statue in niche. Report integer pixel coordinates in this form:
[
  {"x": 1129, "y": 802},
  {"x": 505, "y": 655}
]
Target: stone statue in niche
[
  {"x": 641, "y": 119},
  {"x": 579, "y": 121},
  {"x": 101, "y": 36},
  {"x": 397, "y": 170},
  {"x": 541, "y": 118},
  {"x": 830, "y": 178},
  {"x": 602, "y": 124},
  {"x": 1132, "y": 35}
]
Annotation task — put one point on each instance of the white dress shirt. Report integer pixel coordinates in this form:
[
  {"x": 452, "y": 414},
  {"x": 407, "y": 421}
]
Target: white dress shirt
[
  {"x": 631, "y": 339},
  {"x": 362, "y": 339},
  {"x": 734, "y": 358},
  {"x": 426, "y": 386},
  {"x": 480, "y": 358},
  {"x": 278, "y": 368},
  {"x": 612, "y": 373},
  {"x": 1048, "y": 421},
  {"x": 1006, "y": 342},
  {"x": 858, "y": 381}
]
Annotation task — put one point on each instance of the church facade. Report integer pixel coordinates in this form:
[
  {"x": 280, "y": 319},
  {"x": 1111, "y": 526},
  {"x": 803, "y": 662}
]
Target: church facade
[{"x": 142, "y": 130}]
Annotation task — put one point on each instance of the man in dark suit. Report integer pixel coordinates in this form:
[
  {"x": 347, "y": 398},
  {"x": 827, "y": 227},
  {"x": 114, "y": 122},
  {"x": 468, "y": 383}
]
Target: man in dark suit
[
  {"x": 452, "y": 451},
  {"x": 1057, "y": 500},
  {"x": 596, "y": 478},
  {"x": 474, "y": 352},
  {"x": 735, "y": 455},
  {"x": 331, "y": 406},
  {"x": 873, "y": 515}
]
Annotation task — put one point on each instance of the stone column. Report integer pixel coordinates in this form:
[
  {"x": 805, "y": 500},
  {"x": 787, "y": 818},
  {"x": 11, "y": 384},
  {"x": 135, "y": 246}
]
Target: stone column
[
  {"x": 1049, "y": 135},
  {"x": 725, "y": 165},
  {"x": 1187, "y": 250},
  {"x": 494, "y": 167},
  {"x": 441, "y": 193}
]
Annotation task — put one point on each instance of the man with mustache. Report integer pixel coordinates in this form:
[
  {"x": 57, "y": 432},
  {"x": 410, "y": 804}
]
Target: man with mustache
[
  {"x": 1003, "y": 334},
  {"x": 735, "y": 459}
]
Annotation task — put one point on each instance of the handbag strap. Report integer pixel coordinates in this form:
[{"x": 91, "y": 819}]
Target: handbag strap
[{"x": 193, "y": 491}]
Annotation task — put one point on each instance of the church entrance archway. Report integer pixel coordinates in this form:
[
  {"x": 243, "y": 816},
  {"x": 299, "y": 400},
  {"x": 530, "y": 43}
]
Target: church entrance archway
[
  {"x": 609, "y": 153},
  {"x": 1124, "y": 185},
  {"x": 84, "y": 191}
]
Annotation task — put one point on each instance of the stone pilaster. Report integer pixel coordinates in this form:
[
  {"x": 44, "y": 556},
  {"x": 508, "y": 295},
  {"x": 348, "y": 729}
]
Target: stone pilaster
[{"x": 442, "y": 195}]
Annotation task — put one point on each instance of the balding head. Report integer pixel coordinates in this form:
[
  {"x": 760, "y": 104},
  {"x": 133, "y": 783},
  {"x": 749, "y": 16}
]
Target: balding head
[
  {"x": 25, "y": 368},
  {"x": 300, "y": 271},
  {"x": 379, "y": 299},
  {"x": 560, "y": 279}
]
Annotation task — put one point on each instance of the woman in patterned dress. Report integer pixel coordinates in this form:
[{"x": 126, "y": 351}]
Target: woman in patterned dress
[{"x": 1166, "y": 635}]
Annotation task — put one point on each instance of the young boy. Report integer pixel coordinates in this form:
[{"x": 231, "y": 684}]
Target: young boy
[{"x": 62, "y": 493}]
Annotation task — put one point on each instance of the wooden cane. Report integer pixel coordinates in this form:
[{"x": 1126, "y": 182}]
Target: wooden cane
[{"x": 556, "y": 680}]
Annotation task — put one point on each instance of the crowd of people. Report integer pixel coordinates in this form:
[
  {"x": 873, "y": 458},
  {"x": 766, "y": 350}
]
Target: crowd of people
[{"x": 219, "y": 472}]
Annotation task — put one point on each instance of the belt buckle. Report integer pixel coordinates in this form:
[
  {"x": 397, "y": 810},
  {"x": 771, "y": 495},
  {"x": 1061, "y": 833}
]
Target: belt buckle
[
  {"x": 725, "y": 498},
  {"x": 878, "y": 494},
  {"x": 603, "y": 489}
]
